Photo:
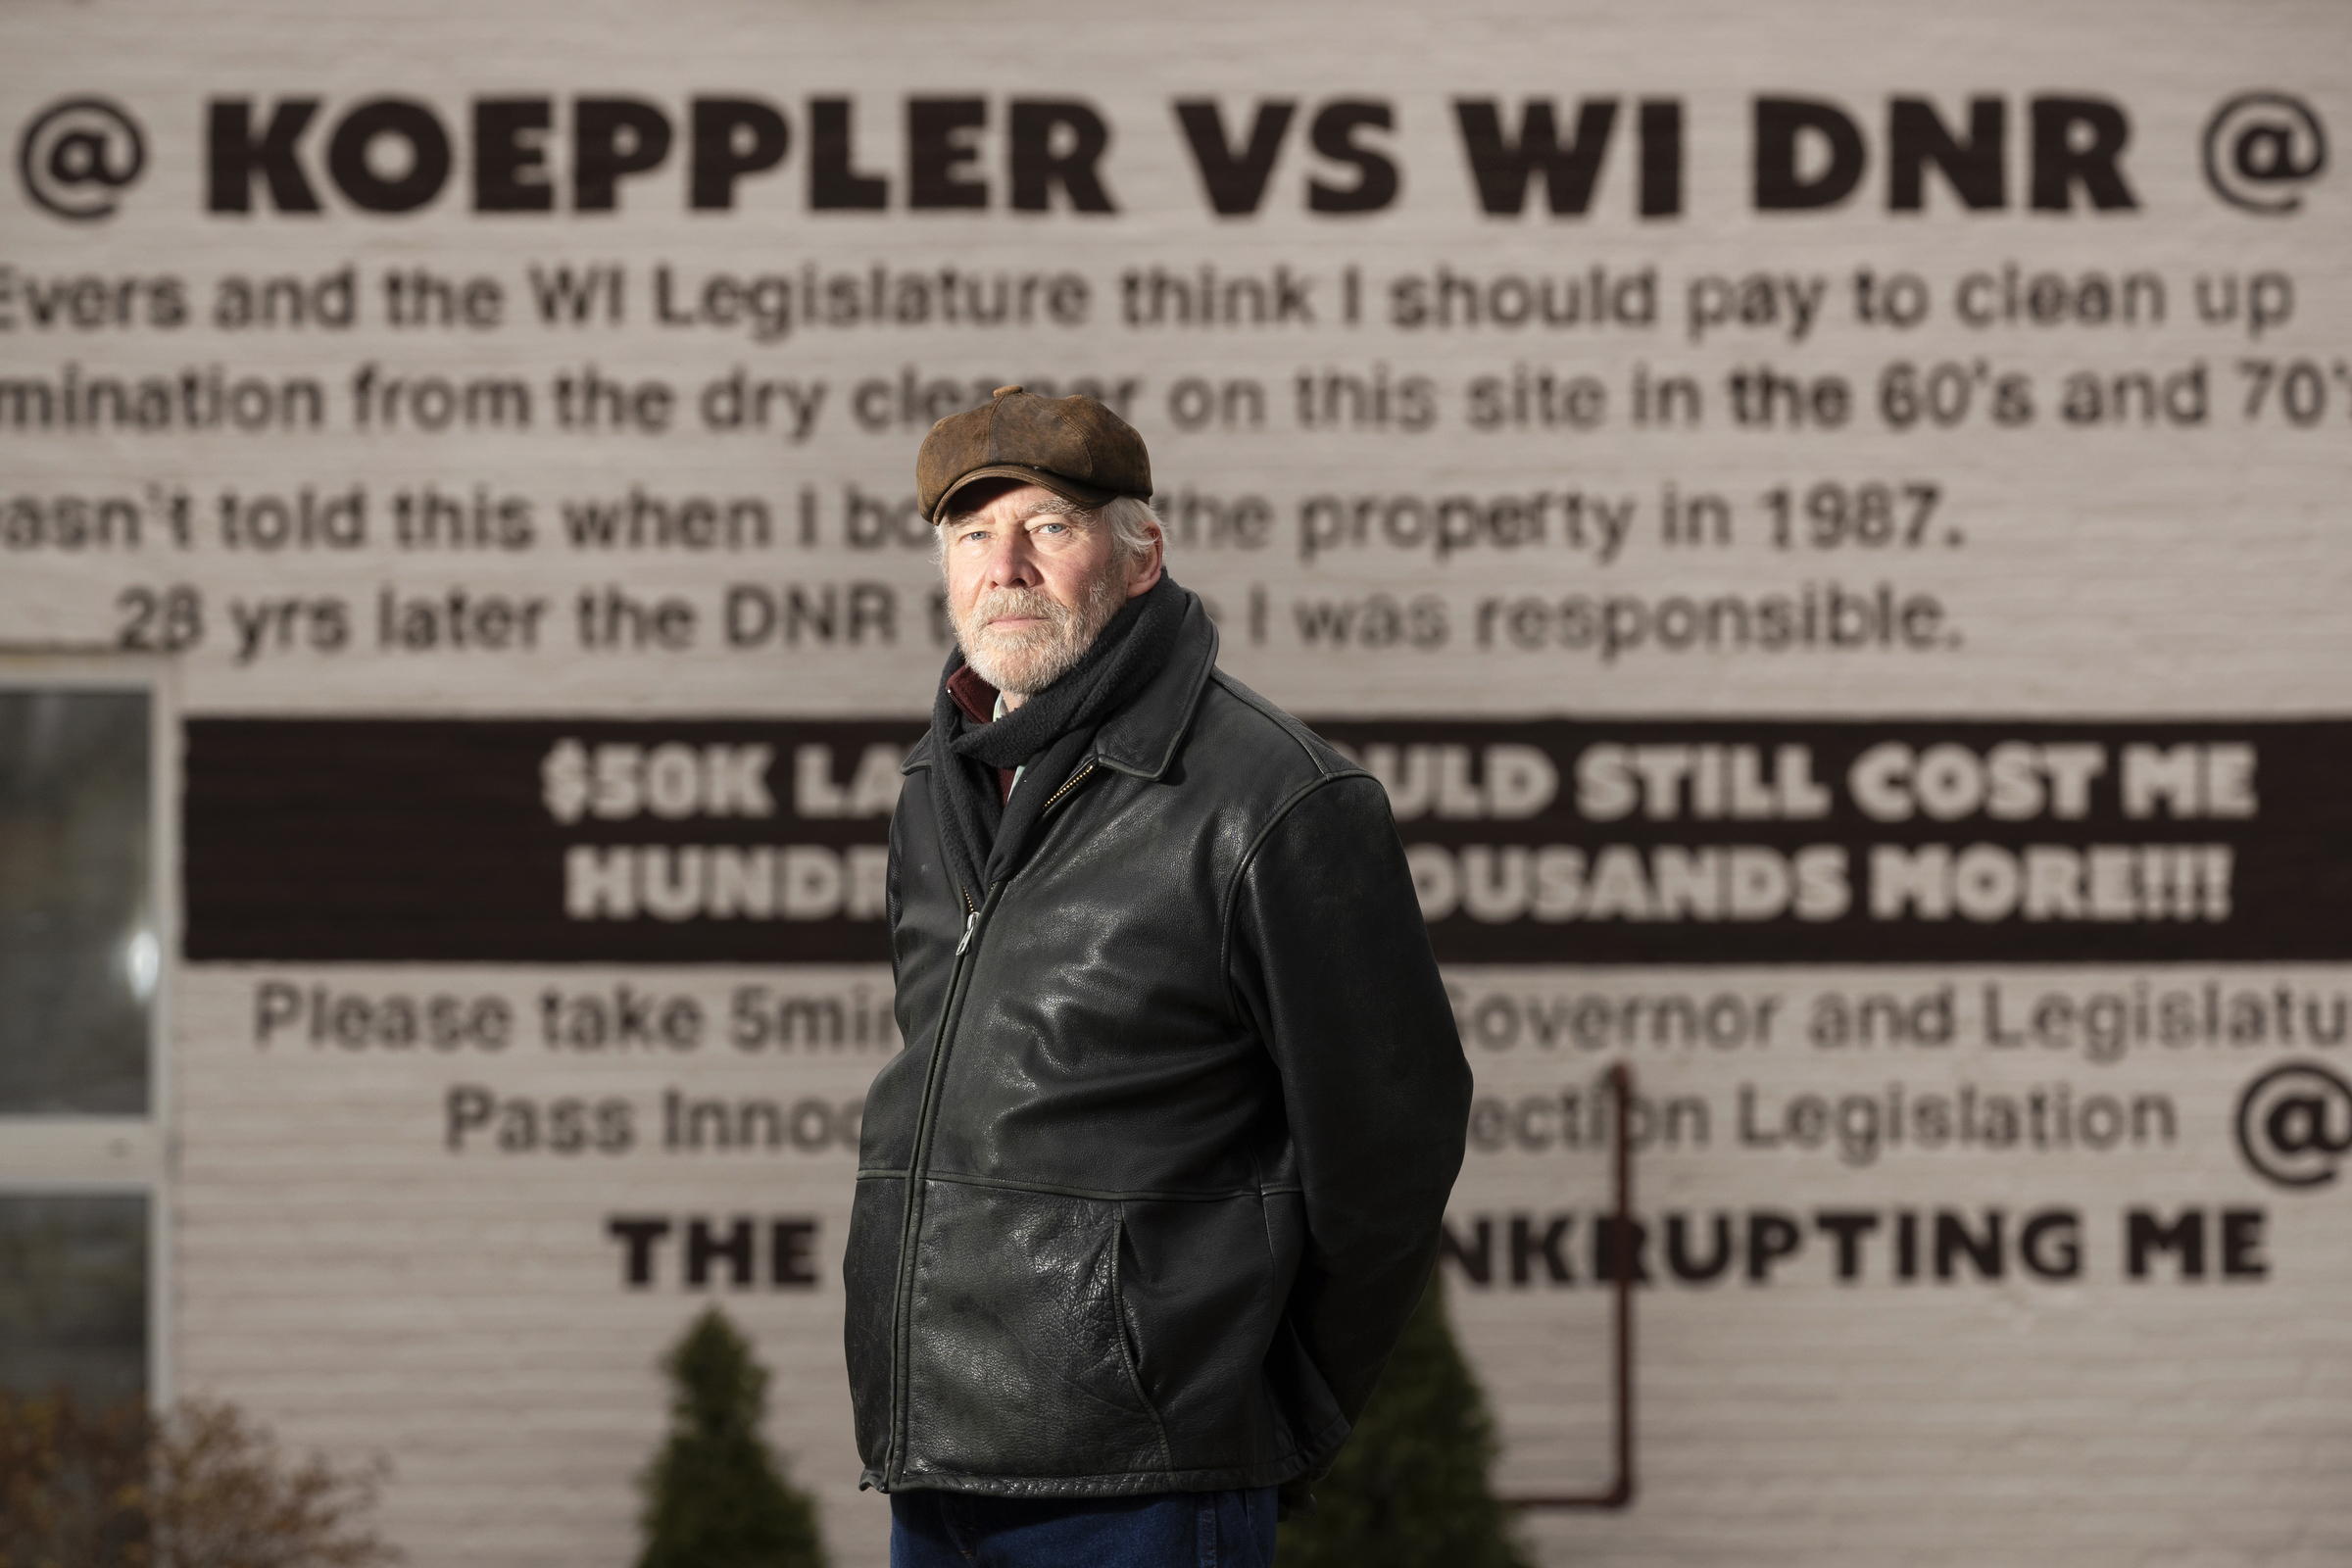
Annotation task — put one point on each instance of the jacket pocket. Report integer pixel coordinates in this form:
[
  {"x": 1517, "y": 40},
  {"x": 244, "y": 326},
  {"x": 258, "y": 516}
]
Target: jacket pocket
[
  {"x": 1205, "y": 1285},
  {"x": 1019, "y": 1358},
  {"x": 1123, "y": 1323}
]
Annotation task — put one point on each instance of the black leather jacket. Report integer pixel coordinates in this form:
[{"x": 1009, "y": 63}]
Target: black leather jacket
[{"x": 1147, "y": 1199}]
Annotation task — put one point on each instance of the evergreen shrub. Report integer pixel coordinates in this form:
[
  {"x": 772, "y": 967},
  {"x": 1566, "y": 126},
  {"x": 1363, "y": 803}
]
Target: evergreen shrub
[{"x": 715, "y": 1496}]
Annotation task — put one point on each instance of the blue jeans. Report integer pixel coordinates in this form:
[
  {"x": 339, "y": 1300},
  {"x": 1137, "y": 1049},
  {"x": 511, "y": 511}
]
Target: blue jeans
[{"x": 1163, "y": 1530}]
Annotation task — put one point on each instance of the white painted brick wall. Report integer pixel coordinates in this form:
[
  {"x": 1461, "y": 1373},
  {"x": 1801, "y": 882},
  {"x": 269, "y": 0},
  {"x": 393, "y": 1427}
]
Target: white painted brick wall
[{"x": 341, "y": 1271}]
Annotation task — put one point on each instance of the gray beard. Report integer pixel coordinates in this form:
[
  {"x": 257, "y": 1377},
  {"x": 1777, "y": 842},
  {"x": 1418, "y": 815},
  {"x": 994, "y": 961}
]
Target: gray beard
[{"x": 1025, "y": 666}]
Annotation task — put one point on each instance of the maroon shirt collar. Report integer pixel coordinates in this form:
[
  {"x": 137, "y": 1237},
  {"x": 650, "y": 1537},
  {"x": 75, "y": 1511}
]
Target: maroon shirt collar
[
  {"x": 976, "y": 697},
  {"x": 978, "y": 700}
]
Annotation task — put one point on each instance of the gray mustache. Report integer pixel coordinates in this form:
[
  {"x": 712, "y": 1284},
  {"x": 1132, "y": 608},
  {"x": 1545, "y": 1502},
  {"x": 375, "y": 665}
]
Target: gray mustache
[{"x": 1021, "y": 602}]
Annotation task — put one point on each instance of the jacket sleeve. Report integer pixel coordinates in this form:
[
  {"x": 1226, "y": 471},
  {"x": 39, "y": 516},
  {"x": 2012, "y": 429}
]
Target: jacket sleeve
[{"x": 1331, "y": 961}]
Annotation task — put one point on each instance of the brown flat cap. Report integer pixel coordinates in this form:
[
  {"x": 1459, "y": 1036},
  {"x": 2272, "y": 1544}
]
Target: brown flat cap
[{"x": 1074, "y": 447}]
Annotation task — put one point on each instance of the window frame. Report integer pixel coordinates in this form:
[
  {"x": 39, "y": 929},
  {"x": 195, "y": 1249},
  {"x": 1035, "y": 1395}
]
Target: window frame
[{"x": 69, "y": 1154}]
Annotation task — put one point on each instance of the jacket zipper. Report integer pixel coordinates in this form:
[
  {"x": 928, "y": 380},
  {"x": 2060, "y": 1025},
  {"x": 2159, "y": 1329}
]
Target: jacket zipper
[
  {"x": 903, "y": 1329},
  {"x": 1067, "y": 785}
]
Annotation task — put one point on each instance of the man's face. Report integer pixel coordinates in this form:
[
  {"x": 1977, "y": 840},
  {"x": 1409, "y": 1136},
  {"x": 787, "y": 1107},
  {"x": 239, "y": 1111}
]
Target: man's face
[{"x": 1031, "y": 585}]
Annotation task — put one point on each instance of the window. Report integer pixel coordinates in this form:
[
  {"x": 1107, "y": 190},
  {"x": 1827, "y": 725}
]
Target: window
[
  {"x": 82, "y": 943},
  {"x": 74, "y": 1294},
  {"x": 79, "y": 960}
]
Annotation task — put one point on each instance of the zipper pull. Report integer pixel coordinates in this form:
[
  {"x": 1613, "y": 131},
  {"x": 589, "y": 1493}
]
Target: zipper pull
[{"x": 970, "y": 921}]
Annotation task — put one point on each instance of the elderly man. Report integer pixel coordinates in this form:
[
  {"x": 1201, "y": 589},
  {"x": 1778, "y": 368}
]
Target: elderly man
[{"x": 1145, "y": 1200}]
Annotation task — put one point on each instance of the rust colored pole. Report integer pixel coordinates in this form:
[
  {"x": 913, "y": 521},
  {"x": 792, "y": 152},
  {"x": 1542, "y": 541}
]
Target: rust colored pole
[{"x": 1620, "y": 1493}]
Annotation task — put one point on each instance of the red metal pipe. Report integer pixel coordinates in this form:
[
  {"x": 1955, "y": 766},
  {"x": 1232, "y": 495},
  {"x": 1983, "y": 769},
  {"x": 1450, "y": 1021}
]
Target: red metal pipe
[{"x": 1620, "y": 1493}]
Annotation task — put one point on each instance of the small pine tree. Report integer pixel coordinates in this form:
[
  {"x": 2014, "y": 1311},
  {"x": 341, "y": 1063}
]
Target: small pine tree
[
  {"x": 1409, "y": 1489},
  {"x": 715, "y": 1495}
]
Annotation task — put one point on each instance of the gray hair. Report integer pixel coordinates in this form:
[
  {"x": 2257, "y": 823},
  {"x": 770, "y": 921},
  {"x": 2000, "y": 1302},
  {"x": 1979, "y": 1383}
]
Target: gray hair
[{"x": 1132, "y": 522}]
